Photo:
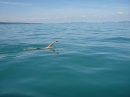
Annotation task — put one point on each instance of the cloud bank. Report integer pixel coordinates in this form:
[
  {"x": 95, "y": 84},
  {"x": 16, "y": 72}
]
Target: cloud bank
[{"x": 14, "y": 3}]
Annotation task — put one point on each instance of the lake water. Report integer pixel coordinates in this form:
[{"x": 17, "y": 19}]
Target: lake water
[{"x": 89, "y": 60}]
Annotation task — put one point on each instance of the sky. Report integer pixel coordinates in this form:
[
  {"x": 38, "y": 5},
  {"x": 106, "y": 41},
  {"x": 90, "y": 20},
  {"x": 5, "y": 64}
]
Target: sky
[{"x": 57, "y": 11}]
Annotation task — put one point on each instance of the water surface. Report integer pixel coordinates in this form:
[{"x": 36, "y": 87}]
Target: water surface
[{"x": 90, "y": 59}]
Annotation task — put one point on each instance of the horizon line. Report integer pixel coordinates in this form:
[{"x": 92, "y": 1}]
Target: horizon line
[{"x": 55, "y": 22}]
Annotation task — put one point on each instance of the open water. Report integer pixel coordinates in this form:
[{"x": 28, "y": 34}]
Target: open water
[{"x": 89, "y": 60}]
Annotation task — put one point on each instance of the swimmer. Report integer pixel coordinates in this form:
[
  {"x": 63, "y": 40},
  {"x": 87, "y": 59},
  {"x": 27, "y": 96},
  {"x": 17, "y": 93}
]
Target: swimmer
[{"x": 48, "y": 47}]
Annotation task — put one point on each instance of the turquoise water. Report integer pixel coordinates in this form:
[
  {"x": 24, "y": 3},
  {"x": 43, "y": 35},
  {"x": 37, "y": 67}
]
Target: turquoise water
[{"x": 90, "y": 60}]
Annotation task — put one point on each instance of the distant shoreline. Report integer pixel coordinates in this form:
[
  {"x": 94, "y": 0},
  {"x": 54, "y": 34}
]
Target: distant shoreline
[
  {"x": 65, "y": 22},
  {"x": 18, "y": 23}
]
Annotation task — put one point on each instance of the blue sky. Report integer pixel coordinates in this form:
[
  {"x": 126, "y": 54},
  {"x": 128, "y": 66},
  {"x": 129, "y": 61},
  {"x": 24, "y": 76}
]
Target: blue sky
[{"x": 50, "y": 11}]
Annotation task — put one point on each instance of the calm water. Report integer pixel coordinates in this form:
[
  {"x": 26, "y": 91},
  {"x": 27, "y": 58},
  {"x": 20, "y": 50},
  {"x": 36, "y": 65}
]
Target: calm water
[{"x": 90, "y": 59}]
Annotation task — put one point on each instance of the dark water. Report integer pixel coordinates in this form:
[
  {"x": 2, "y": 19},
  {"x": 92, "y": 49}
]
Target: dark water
[{"x": 90, "y": 59}]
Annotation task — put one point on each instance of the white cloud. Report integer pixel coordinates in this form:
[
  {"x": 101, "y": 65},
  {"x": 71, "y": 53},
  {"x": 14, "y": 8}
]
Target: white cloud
[
  {"x": 40, "y": 18},
  {"x": 38, "y": 8},
  {"x": 14, "y": 3},
  {"x": 120, "y": 12},
  {"x": 95, "y": 16},
  {"x": 65, "y": 16},
  {"x": 84, "y": 16},
  {"x": 23, "y": 19},
  {"x": 28, "y": 19},
  {"x": 35, "y": 18}
]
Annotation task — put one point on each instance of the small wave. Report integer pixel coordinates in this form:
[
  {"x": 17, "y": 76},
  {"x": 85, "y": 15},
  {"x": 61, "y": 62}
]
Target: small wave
[{"x": 119, "y": 39}]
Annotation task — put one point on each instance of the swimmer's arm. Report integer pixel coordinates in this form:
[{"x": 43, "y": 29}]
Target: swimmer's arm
[{"x": 50, "y": 45}]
